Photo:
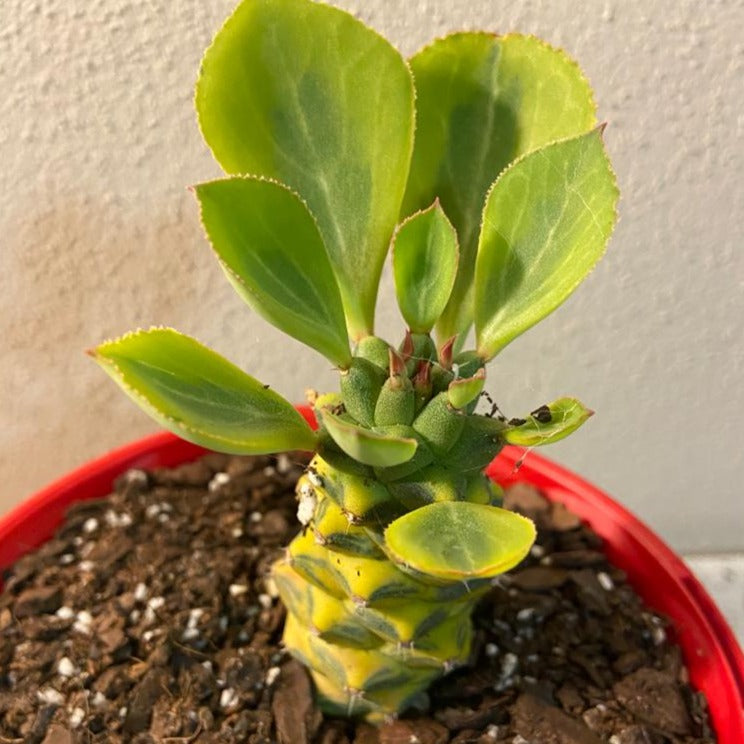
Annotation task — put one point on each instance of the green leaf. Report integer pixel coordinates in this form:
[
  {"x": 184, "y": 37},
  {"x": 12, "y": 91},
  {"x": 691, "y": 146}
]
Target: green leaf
[
  {"x": 306, "y": 94},
  {"x": 457, "y": 540},
  {"x": 200, "y": 396},
  {"x": 424, "y": 266},
  {"x": 366, "y": 446},
  {"x": 482, "y": 101},
  {"x": 464, "y": 391},
  {"x": 548, "y": 423},
  {"x": 546, "y": 223},
  {"x": 272, "y": 252}
]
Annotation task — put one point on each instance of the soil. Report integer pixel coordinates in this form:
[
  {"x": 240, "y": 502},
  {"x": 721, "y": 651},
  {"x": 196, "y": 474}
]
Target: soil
[{"x": 149, "y": 617}]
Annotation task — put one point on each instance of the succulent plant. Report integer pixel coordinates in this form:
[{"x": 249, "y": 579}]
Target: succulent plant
[{"x": 485, "y": 153}]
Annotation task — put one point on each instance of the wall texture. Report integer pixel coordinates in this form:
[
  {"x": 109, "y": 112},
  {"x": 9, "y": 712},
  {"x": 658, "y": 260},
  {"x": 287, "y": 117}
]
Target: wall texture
[{"x": 99, "y": 235}]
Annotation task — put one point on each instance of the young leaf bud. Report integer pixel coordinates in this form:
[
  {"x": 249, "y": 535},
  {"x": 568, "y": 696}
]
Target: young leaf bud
[
  {"x": 432, "y": 483},
  {"x": 439, "y": 424},
  {"x": 396, "y": 402},
  {"x": 396, "y": 363},
  {"x": 373, "y": 349},
  {"x": 480, "y": 441},
  {"x": 482, "y": 490},
  {"x": 360, "y": 386},
  {"x": 464, "y": 391},
  {"x": 422, "y": 384}
]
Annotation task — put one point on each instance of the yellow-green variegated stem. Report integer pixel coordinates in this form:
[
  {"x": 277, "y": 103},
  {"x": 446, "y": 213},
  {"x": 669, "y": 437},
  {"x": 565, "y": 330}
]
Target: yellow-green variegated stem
[
  {"x": 402, "y": 531},
  {"x": 374, "y": 633},
  {"x": 375, "y": 611}
]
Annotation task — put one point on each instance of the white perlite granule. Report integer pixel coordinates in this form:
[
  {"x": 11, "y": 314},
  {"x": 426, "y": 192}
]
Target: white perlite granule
[
  {"x": 237, "y": 589},
  {"x": 228, "y": 698},
  {"x": 83, "y": 621},
  {"x": 66, "y": 668},
  {"x": 307, "y": 503},
  {"x": 140, "y": 592},
  {"x": 50, "y": 696},
  {"x": 117, "y": 520},
  {"x": 219, "y": 480},
  {"x": 76, "y": 717},
  {"x": 195, "y": 615},
  {"x": 155, "y": 603},
  {"x": 135, "y": 476},
  {"x": 99, "y": 700},
  {"x": 90, "y": 525},
  {"x": 283, "y": 464},
  {"x": 509, "y": 664}
]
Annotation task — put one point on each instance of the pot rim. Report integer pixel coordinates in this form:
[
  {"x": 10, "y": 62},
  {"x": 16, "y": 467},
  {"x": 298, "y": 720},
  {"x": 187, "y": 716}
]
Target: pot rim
[{"x": 709, "y": 647}]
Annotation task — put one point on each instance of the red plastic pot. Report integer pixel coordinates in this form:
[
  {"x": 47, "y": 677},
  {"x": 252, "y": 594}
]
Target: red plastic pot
[{"x": 711, "y": 652}]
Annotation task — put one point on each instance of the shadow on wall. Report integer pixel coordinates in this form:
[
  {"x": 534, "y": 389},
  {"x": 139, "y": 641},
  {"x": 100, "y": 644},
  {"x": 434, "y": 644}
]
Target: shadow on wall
[{"x": 76, "y": 271}]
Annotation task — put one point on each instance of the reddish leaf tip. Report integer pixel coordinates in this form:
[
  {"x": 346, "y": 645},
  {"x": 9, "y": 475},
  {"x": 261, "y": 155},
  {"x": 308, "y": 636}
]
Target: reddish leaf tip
[
  {"x": 407, "y": 348},
  {"x": 446, "y": 351},
  {"x": 422, "y": 377},
  {"x": 397, "y": 365}
]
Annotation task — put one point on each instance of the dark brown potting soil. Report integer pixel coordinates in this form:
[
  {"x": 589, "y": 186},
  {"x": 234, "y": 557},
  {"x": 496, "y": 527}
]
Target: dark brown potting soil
[{"x": 150, "y": 618}]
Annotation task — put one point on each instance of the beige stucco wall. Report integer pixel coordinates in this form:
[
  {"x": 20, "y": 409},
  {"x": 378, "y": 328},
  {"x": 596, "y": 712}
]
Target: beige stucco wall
[{"x": 98, "y": 235}]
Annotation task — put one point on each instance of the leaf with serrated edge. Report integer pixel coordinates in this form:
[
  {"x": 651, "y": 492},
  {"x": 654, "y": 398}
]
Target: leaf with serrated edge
[
  {"x": 307, "y": 94},
  {"x": 546, "y": 223},
  {"x": 549, "y": 423},
  {"x": 197, "y": 394},
  {"x": 368, "y": 447},
  {"x": 272, "y": 252},
  {"x": 482, "y": 101},
  {"x": 424, "y": 266},
  {"x": 458, "y": 540}
]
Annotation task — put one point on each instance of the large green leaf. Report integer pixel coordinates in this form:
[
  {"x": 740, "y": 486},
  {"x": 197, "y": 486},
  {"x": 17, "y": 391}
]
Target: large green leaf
[
  {"x": 482, "y": 101},
  {"x": 367, "y": 446},
  {"x": 424, "y": 266},
  {"x": 272, "y": 252},
  {"x": 546, "y": 223},
  {"x": 548, "y": 423},
  {"x": 200, "y": 396},
  {"x": 305, "y": 93},
  {"x": 458, "y": 540}
]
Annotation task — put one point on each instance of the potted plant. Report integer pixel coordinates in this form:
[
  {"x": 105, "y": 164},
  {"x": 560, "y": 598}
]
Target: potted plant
[{"x": 481, "y": 165}]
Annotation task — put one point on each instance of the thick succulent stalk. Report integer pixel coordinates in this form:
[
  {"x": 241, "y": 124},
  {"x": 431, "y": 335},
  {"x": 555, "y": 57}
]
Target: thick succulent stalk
[
  {"x": 374, "y": 627},
  {"x": 373, "y": 634}
]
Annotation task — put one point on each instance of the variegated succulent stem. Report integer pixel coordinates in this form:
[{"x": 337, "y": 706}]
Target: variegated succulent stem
[
  {"x": 402, "y": 531},
  {"x": 373, "y": 634}
]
